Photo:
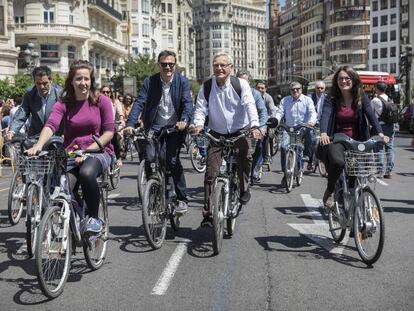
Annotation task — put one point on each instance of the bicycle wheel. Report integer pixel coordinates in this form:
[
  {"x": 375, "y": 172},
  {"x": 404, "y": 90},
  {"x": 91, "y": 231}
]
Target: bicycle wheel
[
  {"x": 15, "y": 199},
  {"x": 274, "y": 145},
  {"x": 322, "y": 169},
  {"x": 115, "y": 172},
  {"x": 197, "y": 159},
  {"x": 337, "y": 217},
  {"x": 53, "y": 252},
  {"x": 290, "y": 169},
  {"x": 141, "y": 180},
  {"x": 231, "y": 220},
  {"x": 369, "y": 228},
  {"x": 219, "y": 199},
  {"x": 153, "y": 214},
  {"x": 95, "y": 247},
  {"x": 32, "y": 218}
]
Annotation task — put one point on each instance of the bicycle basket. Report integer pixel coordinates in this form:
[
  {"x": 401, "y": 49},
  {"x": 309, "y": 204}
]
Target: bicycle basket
[
  {"x": 363, "y": 164},
  {"x": 202, "y": 141},
  {"x": 295, "y": 138},
  {"x": 36, "y": 166}
]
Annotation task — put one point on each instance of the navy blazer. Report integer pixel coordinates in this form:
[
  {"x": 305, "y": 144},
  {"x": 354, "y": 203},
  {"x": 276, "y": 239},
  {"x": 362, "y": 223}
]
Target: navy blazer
[
  {"x": 149, "y": 97},
  {"x": 328, "y": 119}
]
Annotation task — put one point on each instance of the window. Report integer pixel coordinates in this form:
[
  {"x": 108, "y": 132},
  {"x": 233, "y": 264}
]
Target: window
[
  {"x": 393, "y": 3},
  {"x": 145, "y": 30},
  {"x": 384, "y": 20},
  {"x": 393, "y": 35},
  {"x": 374, "y": 38},
  {"x": 49, "y": 53},
  {"x": 163, "y": 24},
  {"x": 145, "y": 6},
  {"x": 170, "y": 24},
  {"x": 375, "y": 21},
  {"x": 384, "y": 67},
  {"x": 169, "y": 7},
  {"x": 19, "y": 19},
  {"x": 393, "y": 19},
  {"x": 384, "y": 4},
  {"x": 393, "y": 67},
  {"x": 71, "y": 53},
  {"x": 163, "y": 7},
  {"x": 393, "y": 51},
  {"x": 70, "y": 19},
  {"x": 375, "y": 67},
  {"x": 384, "y": 36},
  {"x": 384, "y": 52},
  {"x": 2, "y": 30},
  {"x": 375, "y": 5},
  {"x": 49, "y": 16},
  {"x": 375, "y": 53}
]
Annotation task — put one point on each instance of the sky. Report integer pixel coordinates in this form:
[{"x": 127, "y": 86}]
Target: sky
[{"x": 282, "y": 3}]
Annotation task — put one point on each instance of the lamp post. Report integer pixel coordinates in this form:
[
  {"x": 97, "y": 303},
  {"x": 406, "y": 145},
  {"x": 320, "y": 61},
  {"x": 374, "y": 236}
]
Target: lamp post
[
  {"x": 116, "y": 80},
  {"x": 405, "y": 64},
  {"x": 30, "y": 57}
]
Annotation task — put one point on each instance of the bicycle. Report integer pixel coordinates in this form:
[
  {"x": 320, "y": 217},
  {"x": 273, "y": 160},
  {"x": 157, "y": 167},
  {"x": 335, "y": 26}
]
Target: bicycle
[
  {"x": 294, "y": 160},
  {"x": 160, "y": 200},
  {"x": 358, "y": 207},
  {"x": 317, "y": 163},
  {"x": 225, "y": 192},
  {"x": 141, "y": 176},
  {"x": 130, "y": 146},
  {"x": 198, "y": 160},
  {"x": 59, "y": 230}
]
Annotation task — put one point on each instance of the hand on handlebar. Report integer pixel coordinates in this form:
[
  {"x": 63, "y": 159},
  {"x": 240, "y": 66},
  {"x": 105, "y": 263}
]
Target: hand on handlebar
[
  {"x": 129, "y": 130},
  {"x": 195, "y": 129},
  {"x": 324, "y": 139},
  {"x": 181, "y": 125},
  {"x": 34, "y": 150},
  {"x": 256, "y": 133},
  {"x": 385, "y": 138}
]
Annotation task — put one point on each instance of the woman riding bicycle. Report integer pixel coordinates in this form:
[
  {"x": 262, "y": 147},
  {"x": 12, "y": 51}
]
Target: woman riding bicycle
[
  {"x": 346, "y": 111},
  {"x": 85, "y": 115}
]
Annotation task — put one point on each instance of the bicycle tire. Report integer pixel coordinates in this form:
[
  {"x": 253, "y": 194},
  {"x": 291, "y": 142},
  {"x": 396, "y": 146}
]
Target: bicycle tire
[
  {"x": 153, "y": 214},
  {"x": 362, "y": 233},
  {"x": 95, "y": 250},
  {"x": 51, "y": 234},
  {"x": 195, "y": 159},
  {"x": 141, "y": 180},
  {"x": 337, "y": 216},
  {"x": 274, "y": 145},
  {"x": 290, "y": 169},
  {"x": 33, "y": 207},
  {"x": 322, "y": 169},
  {"x": 114, "y": 174},
  {"x": 299, "y": 177},
  {"x": 218, "y": 217},
  {"x": 15, "y": 198}
]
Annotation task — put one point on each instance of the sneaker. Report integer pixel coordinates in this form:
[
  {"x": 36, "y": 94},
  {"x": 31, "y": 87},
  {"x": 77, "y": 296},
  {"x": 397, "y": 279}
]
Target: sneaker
[
  {"x": 245, "y": 197},
  {"x": 387, "y": 175},
  {"x": 94, "y": 225},
  {"x": 207, "y": 221},
  {"x": 181, "y": 207},
  {"x": 310, "y": 166},
  {"x": 327, "y": 200}
]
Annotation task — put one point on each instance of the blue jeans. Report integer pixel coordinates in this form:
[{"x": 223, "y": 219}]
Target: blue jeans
[
  {"x": 388, "y": 130},
  {"x": 170, "y": 148},
  {"x": 309, "y": 138},
  {"x": 283, "y": 149}
]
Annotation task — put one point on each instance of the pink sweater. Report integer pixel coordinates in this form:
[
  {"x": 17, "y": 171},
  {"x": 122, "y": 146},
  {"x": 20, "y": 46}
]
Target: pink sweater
[{"x": 82, "y": 120}]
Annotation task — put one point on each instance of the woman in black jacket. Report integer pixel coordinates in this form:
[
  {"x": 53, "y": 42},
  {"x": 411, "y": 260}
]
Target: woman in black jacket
[{"x": 347, "y": 111}]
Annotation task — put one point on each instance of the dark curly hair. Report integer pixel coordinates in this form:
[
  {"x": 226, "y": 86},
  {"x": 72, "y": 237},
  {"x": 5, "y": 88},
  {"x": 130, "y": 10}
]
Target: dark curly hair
[{"x": 336, "y": 94}]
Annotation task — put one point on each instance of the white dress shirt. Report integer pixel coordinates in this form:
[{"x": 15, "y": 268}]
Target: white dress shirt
[
  {"x": 296, "y": 112},
  {"x": 226, "y": 112}
]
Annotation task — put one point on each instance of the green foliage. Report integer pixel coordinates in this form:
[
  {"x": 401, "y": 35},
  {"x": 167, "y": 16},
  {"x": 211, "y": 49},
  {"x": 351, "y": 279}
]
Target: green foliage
[
  {"x": 58, "y": 79},
  {"x": 194, "y": 87},
  {"x": 141, "y": 67},
  {"x": 17, "y": 89}
]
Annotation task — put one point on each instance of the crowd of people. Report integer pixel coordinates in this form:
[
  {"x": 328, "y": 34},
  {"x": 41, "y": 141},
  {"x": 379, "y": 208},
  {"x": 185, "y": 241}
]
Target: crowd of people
[{"x": 225, "y": 104}]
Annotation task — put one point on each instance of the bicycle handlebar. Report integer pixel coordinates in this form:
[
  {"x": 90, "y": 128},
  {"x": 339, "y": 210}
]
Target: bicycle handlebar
[
  {"x": 352, "y": 144},
  {"x": 225, "y": 141},
  {"x": 290, "y": 129}
]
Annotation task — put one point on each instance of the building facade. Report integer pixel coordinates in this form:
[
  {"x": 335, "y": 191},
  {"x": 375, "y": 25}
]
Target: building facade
[
  {"x": 272, "y": 45},
  {"x": 235, "y": 27},
  {"x": 65, "y": 30},
  {"x": 8, "y": 51}
]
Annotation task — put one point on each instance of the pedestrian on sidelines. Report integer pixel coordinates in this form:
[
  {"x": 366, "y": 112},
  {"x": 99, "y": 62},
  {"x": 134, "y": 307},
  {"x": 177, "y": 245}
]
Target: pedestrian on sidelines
[
  {"x": 228, "y": 103},
  {"x": 379, "y": 104},
  {"x": 164, "y": 101},
  {"x": 37, "y": 104},
  {"x": 347, "y": 110},
  {"x": 296, "y": 109}
]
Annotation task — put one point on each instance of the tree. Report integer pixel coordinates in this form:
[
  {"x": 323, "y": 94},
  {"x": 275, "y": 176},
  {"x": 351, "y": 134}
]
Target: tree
[
  {"x": 16, "y": 90},
  {"x": 141, "y": 67},
  {"x": 194, "y": 87}
]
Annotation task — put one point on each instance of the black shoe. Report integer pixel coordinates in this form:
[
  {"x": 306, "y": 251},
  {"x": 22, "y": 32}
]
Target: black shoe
[
  {"x": 207, "y": 221},
  {"x": 327, "y": 200},
  {"x": 245, "y": 197},
  {"x": 310, "y": 167}
]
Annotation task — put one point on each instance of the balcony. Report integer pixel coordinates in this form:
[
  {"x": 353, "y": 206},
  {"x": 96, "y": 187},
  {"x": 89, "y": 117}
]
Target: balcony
[
  {"x": 103, "y": 41},
  {"x": 52, "y": 30},
  {"x": 101, "y": 6}
]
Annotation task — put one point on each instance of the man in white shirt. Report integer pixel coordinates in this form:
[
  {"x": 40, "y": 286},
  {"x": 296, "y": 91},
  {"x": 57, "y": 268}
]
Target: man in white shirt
[{"x": 228, "y": 114}]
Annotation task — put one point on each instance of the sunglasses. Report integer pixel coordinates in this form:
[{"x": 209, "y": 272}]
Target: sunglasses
[
  {"x": 106, "y": 92},
  {"x": 346, "y": 79},
  {"x": 164, "y": 65},
  {"x": 320, "y": 88},
  {"x": 293, "y": 89}
]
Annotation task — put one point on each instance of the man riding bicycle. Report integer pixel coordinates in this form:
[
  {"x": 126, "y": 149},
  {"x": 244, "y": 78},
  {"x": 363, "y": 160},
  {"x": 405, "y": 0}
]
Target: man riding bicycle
[
  {"x": 164, "y": 101},
  {"x": 228, "y": 114},
  {"x": 296, "y": 109}
]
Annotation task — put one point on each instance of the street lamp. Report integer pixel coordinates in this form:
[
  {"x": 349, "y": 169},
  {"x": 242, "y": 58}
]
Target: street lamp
[
  {"x": 30, "y": 57},
  {"x": 405, "y": 64},
  {"x": 116, "y": 80}
]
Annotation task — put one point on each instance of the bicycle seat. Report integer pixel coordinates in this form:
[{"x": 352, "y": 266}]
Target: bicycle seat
[
  {"x": 362, "y": 146},
  {"x": 55, "y": 142}
]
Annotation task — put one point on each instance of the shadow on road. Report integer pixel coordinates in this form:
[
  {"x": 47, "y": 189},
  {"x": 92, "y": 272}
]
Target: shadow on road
[
  {"x": 301, "y": 212},
  {"x": 131, "y": 239}
]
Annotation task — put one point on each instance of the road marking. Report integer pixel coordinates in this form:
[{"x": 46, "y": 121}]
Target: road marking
[
  {"x": 318, "y": 231},
  {"x": 166, "y": 277},
  {"x": 4, "y": 189},
  {"x": 380, "y": 181},
  {"x": 113, "y": 195}
]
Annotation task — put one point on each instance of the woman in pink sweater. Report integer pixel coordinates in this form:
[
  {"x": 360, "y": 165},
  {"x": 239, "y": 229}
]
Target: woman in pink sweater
[{"x": 84, "y": 115}]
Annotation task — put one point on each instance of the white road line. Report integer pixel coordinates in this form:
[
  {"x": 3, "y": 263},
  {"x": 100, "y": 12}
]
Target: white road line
[
  {"x": 113, "y": 195},
  {"x": 167, "y": 275},
  {"x": 4, "y": 189},
  {"x": 380, "y": 181}
]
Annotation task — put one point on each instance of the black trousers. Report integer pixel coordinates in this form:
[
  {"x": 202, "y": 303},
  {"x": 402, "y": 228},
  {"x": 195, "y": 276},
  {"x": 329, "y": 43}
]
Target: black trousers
[{"x": 334, "y": 160}]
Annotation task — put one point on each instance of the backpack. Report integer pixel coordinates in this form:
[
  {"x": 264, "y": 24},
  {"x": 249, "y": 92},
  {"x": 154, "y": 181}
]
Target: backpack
[
  {"x": 235, "y": 83},
  {"x": 389, "y": 113}
]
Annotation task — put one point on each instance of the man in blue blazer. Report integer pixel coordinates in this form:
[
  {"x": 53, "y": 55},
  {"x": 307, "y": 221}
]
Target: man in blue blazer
[{"x": 164, "y": 101}]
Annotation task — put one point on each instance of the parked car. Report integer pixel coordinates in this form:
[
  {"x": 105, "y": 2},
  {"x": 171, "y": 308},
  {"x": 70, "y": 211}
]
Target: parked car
[{"x": 406, "y": 115}]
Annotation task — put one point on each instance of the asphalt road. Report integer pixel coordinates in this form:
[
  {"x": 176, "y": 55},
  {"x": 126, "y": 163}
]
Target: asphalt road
[{"x": 280, "y": 258}]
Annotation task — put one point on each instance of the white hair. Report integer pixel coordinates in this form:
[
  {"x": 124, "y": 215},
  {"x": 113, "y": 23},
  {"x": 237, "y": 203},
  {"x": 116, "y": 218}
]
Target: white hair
[{"x": 229, "y": 58}]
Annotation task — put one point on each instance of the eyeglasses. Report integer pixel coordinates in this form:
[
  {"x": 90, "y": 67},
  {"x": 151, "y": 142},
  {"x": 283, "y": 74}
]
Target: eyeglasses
[
  {"x": 320, "y": 88},
  {"x": 295, "y": 89},
  {"x": 106, "y": 92},
  {"x": 346, "y": 79},
  {"x": 217, "y": 66},
  {"x": 164, "y": 65}
]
